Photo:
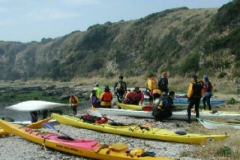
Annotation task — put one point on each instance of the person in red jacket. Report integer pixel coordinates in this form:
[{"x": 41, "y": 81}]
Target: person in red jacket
[
  {"x": 139, "y": 96},
  {"x": 129, "y": 97}
]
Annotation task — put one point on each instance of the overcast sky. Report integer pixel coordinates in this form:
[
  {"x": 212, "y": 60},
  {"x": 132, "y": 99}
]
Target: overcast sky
[{"x": 32, "y": 20}]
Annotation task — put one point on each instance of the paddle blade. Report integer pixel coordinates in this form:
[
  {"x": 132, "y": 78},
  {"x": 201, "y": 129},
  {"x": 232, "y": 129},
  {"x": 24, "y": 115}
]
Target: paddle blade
[
  {"x": 49, "y": 125},
  {"x": 94, "y": 113}
]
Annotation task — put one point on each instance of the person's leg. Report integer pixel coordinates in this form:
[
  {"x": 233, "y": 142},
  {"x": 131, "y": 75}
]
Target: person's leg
[
  {"x": 197, "y": 102},
  {"x": 74, "y": 110},
  {"x": 208, "y": 102},
  {"x": 204, "y": 102},
  {"x": 190, "y": 105}
]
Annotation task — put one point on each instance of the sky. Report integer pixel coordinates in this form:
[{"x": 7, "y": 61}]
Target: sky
[{"x": 32, "y": 20}]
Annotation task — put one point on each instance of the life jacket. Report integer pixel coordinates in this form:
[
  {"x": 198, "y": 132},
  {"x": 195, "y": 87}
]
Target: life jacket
[
  {"x": 107, "y": 96},
  {"x": 197, "y": 89},
  {"x": 162, "y": 103},
  {"x": 73, "y": 100}
]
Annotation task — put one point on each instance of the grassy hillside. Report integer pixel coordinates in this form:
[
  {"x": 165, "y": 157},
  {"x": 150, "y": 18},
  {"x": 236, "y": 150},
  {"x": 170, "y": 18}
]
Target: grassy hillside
[{"x": 180, "y": 41}]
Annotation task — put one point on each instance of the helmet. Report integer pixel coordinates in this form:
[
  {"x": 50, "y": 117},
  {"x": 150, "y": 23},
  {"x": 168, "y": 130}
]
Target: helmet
[
  {"x": 205, "y": 76},
  {"x": 156, "y": 102}
]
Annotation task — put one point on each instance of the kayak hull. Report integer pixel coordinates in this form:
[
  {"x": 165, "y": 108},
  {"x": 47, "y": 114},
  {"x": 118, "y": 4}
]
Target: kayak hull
[
  {"x": 139, "y": 131},
  {"x": 177, "y": 115},
  {"x": 77, "y": 146},
  {"x": 215, "y": 125}
]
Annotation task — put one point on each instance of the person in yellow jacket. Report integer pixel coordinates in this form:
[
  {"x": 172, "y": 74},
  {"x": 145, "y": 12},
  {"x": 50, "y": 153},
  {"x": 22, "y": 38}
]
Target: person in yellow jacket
[
  {"x": 151, "y": 85},
  {"x": 73, "y": 101},
  {"x": 194, "y": 94}
]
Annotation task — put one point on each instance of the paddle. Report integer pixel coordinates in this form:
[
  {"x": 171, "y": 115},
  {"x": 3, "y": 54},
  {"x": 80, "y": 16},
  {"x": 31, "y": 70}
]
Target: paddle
[
  {"x": 50, "y": 126},
  {"x": 95, "y": 113}
]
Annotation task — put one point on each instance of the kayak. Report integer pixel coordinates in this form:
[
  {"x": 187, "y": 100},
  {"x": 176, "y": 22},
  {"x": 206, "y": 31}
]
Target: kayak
[
  {"x": 215, "y": 125},
  {"x": 37, "y": 125},
  {"x": 139, "y": 131},
  {"x": 2, "y": 132},
  {"x": 29, "y": 122},
  {"x": 178, "y": 115},
  {"x": 78, "y": 146},
  {"x": 180, "y": 103},
  {"x": 35, "y": 105},
  {"x": 183, "y": 102}
]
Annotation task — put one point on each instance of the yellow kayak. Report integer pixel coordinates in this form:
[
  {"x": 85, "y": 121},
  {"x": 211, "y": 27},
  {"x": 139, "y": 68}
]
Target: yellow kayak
[
  {"x": 37, "y": 125},
  {"x": 79, "y": 146},
  {"x": 129, "y": 106},
  {"x": 140, "y": 131}
]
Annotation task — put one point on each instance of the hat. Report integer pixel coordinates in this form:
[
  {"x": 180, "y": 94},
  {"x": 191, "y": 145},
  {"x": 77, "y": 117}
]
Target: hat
[
  {"x": 120, "y": 77},
  {"x": 194, "y": 76},
  {"x": 132, "y": 89},
  {"x": 205, "y": 76},
  {"x": 136, "y": 88},
  {"x": 107, "y": 88}
]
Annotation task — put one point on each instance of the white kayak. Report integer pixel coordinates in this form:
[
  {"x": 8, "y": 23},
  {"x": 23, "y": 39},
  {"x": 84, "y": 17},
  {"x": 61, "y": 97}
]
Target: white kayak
[
  {"x": 35, "y": 105},
  {"x": 215, "y": 125},
  {"x": 179, "y": 115},
  {"x": 29, "y": 122}
]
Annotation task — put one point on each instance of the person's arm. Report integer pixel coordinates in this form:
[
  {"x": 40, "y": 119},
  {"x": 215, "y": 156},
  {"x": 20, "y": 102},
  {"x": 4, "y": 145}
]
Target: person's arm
[
  {"x": 115, "y": 85},
  {"x": 77, "y": 100},
  {"x": 190, "y": 90}
]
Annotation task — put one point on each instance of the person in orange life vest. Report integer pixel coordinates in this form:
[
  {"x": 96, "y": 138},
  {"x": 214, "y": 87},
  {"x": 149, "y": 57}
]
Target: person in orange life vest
[
  {"x": 129, "y": 97},
  {"x": 73, "y": 101},
  {"x": 138, "y": 96},
  {"x": 106, "y": 98},
  {"x": 207, "y": 87},
  {"x": 151, "y": 85},
  {"x": 194, "y": 94}
]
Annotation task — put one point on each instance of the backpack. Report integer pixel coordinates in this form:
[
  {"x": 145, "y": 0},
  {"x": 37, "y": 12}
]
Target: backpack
[
  {"x": 211, "y": 86},
  {"x": 161, "y": 103},
  {"x": 197, "y": 89}
]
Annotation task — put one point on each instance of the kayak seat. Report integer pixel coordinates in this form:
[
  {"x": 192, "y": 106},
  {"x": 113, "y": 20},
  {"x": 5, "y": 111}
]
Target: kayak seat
[{"x": 65, "y": 138}]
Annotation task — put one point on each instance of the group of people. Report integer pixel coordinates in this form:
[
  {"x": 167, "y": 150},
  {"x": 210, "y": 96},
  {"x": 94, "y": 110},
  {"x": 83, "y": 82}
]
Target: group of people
[{"x": 159, "y": 96}]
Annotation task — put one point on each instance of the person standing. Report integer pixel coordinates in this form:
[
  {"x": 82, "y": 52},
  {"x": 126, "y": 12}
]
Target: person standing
[
  {"x": 106, "y": 98},
  {"x": 73, "y": 101},
  {"x": 151, "y": 85},
  {"x": 163, "y": 83},
  {"x": 120, "y": 88},
  {"x": 208, "y": 88},
  {"x": 98, "y": 90},
  {"x": 194, "y": 95}
]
